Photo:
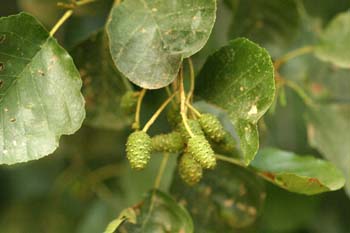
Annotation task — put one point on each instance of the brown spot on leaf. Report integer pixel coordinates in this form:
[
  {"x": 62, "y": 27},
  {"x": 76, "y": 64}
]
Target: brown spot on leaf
[
  {"x": 2, "y": 66},
  {"x": 314, "y": 180},
  {"x": 269, "y": 175},
  {"x": 1, "y": 83},
  {"x": 317, "y": 88},
  {"x": 41, "y": 73},
  {"x": 13, "y": 120}
]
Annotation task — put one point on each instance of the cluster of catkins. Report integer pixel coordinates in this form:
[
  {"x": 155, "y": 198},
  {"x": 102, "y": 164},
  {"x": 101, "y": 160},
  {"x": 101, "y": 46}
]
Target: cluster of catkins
[{"x": 197, "y": 151}]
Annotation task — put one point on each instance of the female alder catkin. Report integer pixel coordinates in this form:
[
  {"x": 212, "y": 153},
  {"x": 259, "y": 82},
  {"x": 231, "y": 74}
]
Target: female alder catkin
[
  {"x": 194, "y": 126},
  {"x": 139, "y": 149},
  {"x": 212, "y": 127},
  {"x": 190, "y": 170},
  {"x": 201, "y": 151},
  {"x": 171, "y": 142}
]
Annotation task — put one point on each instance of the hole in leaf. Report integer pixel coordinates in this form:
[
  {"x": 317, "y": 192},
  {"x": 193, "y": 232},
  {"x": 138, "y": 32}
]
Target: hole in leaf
[{"x": 41, "y": 73}]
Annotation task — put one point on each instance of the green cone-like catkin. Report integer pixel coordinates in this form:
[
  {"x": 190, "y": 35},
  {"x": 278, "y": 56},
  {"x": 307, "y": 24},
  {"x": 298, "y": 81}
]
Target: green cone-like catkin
[
  {"x": 173, "y": 116},
  {"x": 190, "y": 170},
  {"x": 129, "y": 101},
  {"x": 212, "y": 127},
  {"x": 201, "y": 151},
  {"x": 171, "y": 142},
  {"x": 194, "y": 126},
  {"x": 138, "y": 149}
]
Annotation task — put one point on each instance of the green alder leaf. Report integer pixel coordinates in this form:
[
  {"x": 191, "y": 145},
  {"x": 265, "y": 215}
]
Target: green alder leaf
[
  {"x": 40, "y": 97},
  {"x": 299, "y": 174},
  {"x": 232, "y": 196},
  {"x": 334, "y": 43},
  {"x": 103, "y": 86},
  {"x": 149, "y": 38},
  {"x": 163, "y": 216},
  {"x": 239, "y": 78},
  {"x": 272, "y": 24},
  {"x": 329, "y": 132}
]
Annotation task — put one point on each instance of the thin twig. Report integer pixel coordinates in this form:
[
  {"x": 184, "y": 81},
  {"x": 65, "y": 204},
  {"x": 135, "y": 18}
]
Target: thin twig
[
  {"x": 68, "y": 13},
  {"x": 157, "y": 183},
  {"x": 61, "y": 21},
  {"x": 194, "y": 110},
  {"x": 161, "y": 170},
  {"x": 192, "y": 79},
  {"x": 136, "y": 124},
  {"x": 183, "y": 104},
  {"x": 292, "y": 54},
  {"x": 157, "y": 113}
]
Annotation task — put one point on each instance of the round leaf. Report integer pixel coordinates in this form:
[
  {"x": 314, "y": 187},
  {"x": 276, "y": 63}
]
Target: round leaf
[
  {"x": 40, "y": 97},
  {"x": 149, "y": 39},
  {"x": 239, "y": 78}
]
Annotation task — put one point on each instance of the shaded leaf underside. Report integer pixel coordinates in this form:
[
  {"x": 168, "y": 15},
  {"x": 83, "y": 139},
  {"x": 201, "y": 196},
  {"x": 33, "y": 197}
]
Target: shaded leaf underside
[{"x": 300, "y": 174}]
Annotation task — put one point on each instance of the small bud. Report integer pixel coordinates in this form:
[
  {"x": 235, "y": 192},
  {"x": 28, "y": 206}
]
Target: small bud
[
  {"x": 201, "y": 151},
  {"x": 190, "y": 170},
  {"x": 129, "y": 101},
  {"x": 138, "y": 149},
  {"x": 212, "y": 127},
  {"x": 171, "y": 142}
]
